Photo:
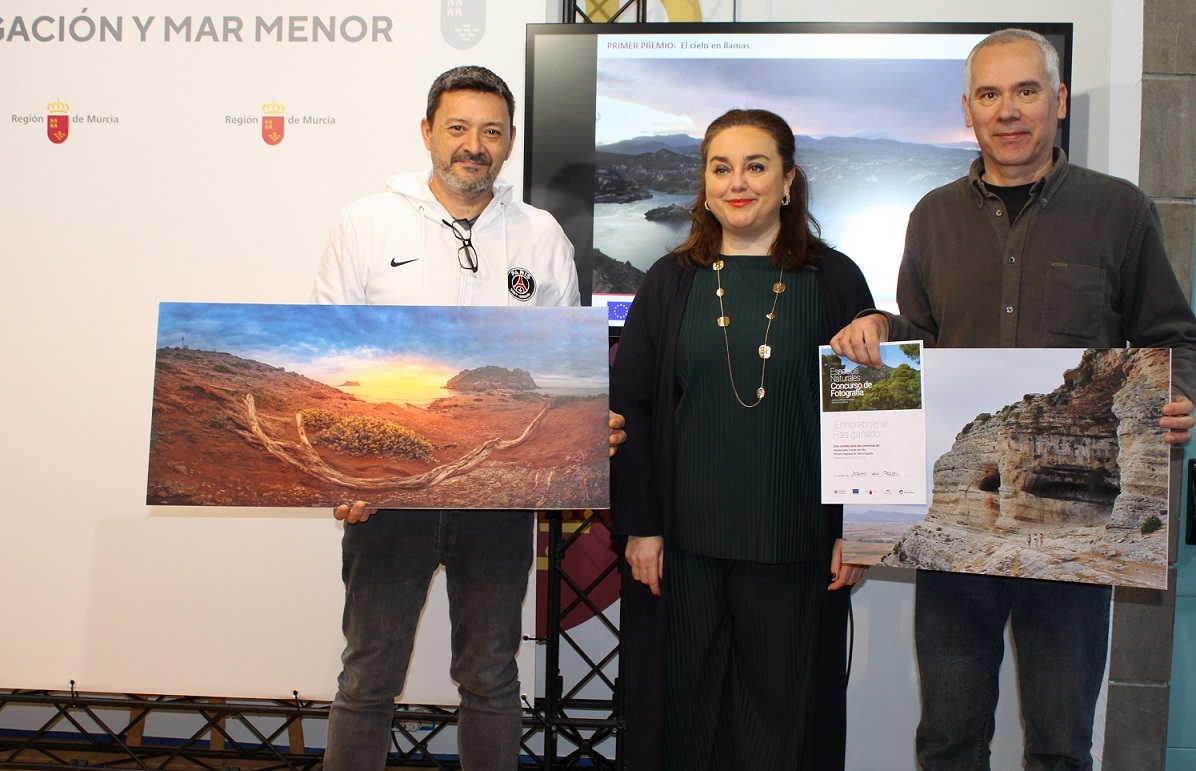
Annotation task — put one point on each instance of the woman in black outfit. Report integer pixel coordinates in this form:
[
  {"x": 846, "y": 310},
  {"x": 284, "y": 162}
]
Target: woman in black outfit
[{"x": 733, "y": 617}]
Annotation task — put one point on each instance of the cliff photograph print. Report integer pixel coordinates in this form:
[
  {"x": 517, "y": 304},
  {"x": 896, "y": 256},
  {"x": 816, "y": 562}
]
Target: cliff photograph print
[
  {"x": 1048, "y": 464},
  {"x": 403, "y": 407}
]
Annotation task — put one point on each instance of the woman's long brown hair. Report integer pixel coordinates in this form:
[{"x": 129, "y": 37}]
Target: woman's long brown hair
[{"x": 799, "y": 239}]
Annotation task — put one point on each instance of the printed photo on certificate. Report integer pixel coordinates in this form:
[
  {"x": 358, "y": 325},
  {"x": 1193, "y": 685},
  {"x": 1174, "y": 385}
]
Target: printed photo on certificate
[{"x": 873, "y": 427}]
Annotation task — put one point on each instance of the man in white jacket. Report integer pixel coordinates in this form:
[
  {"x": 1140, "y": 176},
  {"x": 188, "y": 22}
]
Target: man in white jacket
[{"x": 455, "y": 236}]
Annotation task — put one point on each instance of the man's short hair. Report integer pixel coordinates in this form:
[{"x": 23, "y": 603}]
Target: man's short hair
[
  {"x": 469, "y": 78},
  {"x": 1012, "y": 35}
]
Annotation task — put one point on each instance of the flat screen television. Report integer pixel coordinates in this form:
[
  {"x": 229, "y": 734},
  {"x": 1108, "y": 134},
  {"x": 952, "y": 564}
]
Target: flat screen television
[{"x": 615, "y": 114}]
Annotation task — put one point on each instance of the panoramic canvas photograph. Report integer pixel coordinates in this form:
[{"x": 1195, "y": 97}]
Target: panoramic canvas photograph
[
  {"x": 1045, "y": 464},
  {"x": 870, "y": 145},
  {"x": 402, "y": 407}
]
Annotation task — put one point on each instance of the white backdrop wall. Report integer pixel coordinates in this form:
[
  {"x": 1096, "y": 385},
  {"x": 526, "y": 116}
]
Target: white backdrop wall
[{"x": 165, "y": 191}]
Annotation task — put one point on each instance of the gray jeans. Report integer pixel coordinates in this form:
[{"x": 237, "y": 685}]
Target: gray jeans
[{"x": 388, "y": 562}]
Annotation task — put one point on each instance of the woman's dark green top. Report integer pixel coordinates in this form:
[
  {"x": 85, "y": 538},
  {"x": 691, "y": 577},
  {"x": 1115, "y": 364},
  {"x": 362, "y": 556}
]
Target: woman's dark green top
[{"x": 747, "y": 480}]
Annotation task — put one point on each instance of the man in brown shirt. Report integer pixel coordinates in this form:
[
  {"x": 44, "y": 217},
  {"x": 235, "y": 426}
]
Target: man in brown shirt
[{"x": 1026, "y": 251}]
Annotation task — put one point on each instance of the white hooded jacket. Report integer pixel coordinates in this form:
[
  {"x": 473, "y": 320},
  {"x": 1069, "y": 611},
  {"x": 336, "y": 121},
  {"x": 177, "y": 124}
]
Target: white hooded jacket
[{"x": 395, "y": 248}]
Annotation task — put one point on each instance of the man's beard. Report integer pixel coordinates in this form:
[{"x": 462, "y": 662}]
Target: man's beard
[{"x": 463, "y": 184}]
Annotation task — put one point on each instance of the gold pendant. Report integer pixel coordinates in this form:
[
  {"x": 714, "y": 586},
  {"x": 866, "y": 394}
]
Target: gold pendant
[
  {"x": 719, "y": 291},
  {"x": 724, "y": 321},
  {"x": 778, "y": 287},
  {"x": 760, "y": 392},
  {"x": 718, "y": 265},
  {"x": 765, "y": 351}
]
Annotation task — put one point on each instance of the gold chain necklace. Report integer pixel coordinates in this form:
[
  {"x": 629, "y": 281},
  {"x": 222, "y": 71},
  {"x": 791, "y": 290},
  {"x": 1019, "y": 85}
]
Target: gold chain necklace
[{"x": 765, "y": 350}]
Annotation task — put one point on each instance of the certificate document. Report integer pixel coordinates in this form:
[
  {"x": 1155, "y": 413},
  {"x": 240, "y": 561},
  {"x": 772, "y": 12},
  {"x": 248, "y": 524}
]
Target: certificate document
[{"x": 873, "y": 427}]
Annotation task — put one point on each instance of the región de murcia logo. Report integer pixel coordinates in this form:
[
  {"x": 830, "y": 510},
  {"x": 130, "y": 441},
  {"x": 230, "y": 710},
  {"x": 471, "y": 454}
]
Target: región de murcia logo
[
  {"x": 58, "y": 122},
  {"x": 273, "y": 122}
]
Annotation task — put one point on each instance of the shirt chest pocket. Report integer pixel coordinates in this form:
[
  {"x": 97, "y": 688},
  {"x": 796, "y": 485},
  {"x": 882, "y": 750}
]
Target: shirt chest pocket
[{"x": 1073, "y": 298}]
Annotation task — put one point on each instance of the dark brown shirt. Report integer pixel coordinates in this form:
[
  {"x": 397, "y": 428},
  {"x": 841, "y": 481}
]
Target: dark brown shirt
[{"x": 1084, "y": 266}]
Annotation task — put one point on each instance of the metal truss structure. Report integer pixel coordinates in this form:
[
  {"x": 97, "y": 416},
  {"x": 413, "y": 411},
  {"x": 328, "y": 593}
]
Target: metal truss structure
[
  {"x": 562, "y": 729},
  {"x": 601, "y": 11}
]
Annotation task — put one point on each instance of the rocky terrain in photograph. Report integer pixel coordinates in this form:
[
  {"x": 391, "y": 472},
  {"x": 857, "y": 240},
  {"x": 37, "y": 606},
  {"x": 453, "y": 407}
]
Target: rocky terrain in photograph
[
  {"x": 620, "y": 178},
  {"x": 1070, "y": 485},
  {"x": 844, "y": 168},
  {"x": 670, "y": 213},
  {"x": 839, "y": 168},
  {"x": 612, "y": 187},
  {"x": 229, "y": 431},
  {"x": 485, "y": 378},
  {"x": 613, "y": 276},
  {"x": 868, "y": 536}
]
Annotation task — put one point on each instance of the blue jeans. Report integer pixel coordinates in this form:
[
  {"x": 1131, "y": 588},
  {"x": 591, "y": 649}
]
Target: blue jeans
[
  {"x": 388, "y": 562},
  {"x": 1061, "y": 632}
]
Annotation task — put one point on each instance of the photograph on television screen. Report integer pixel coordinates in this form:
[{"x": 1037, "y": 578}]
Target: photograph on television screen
[
  {"x": 877, "y": 125},
  {"x": 876, "y": 112}
]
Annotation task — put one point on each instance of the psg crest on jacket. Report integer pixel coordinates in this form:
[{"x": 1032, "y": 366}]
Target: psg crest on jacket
[{"x": 520, "y": 284}]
